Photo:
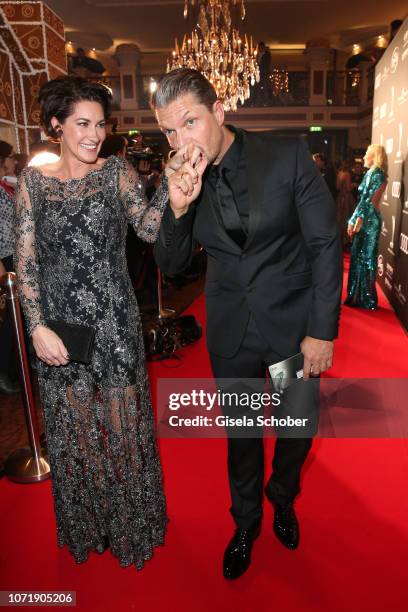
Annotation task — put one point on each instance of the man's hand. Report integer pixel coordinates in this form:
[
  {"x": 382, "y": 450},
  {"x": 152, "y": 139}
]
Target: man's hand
[
  {"x": 317, "y": 354},
  {"x": 350, "y": 230},
  {"x": 49, "y": 347},
  {"x": 188, "y": 152},
  {"x": 184, "y": 172}
]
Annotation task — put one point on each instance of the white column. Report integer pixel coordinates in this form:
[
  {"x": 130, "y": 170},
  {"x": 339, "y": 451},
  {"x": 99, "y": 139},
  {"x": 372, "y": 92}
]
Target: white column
[
  {"x": 128, "y": 56},
  {"x": 318, "y": 54},
  {"x": 364, "y": 68}
]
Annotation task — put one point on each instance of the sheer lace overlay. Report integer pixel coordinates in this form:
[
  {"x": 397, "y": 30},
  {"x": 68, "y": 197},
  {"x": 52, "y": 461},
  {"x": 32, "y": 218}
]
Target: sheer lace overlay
[{"x": 71, "y": 266}]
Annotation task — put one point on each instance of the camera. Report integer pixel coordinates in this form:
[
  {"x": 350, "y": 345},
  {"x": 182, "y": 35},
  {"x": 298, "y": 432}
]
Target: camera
[{"x": 151, "y": 161}]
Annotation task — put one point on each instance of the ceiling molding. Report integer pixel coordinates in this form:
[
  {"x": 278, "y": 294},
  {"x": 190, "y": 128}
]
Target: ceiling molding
[{"x": 141, "y": 3}]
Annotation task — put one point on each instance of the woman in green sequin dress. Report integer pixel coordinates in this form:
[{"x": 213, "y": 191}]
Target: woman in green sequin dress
[{"x": 364, "y": 228}]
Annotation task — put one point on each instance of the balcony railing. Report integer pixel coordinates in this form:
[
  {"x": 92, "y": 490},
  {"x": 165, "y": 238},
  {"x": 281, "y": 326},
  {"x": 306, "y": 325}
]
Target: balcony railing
[
  {"x": 112, "y": 82},
  {"x": 297, "y": 95},
  {"x": 344, "y": 88}
]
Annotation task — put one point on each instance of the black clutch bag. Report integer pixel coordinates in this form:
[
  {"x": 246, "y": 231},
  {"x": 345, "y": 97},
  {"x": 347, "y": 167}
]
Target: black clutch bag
[{"x": 78, "y": 339}]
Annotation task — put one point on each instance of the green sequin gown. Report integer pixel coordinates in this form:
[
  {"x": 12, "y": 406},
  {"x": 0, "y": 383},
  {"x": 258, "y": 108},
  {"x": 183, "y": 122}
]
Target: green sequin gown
[{"x": 361, "y": 289}]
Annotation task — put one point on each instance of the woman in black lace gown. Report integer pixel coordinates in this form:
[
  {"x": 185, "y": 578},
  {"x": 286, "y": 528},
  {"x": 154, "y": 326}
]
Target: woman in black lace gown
[{"x": 71, "y": 226}]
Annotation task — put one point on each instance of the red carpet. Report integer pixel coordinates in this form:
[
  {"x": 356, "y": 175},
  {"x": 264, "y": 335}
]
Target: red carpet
[{"x": 353, "y": 513}]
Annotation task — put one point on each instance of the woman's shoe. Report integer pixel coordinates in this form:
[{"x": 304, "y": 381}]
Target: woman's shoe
[{"x": 103, "y": 546}]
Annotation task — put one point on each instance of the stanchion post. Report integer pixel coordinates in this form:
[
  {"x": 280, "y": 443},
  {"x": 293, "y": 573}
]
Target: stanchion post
[
  {"x": 24, "y": 465},
  {"x": 164, "y": 313}
]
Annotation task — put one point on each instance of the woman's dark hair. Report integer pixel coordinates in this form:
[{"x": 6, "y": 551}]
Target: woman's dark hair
[
  {"x": 58, "y": 97},
  {"x": 180, "y": 82},
  {"x": 5, "y": 150},
  {"x": 112, "y": 145}
]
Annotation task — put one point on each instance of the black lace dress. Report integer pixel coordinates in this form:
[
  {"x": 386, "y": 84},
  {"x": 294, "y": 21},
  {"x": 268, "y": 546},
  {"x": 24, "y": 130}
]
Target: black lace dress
[{"x": 70, "y": 264}]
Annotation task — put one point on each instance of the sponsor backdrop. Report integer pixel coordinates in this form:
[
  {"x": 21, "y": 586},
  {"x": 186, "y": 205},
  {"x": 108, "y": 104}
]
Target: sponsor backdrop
[{"x": 390, "y": 128}]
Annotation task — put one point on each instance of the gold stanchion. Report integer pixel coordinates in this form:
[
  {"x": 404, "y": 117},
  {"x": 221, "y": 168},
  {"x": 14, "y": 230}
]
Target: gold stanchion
[
  {"x": 27, "y": 464},
  {"x": 164, "y": 313}
]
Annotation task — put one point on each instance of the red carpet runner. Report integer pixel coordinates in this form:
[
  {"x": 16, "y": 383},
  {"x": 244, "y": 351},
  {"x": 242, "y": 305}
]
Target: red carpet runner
[{"x": 353, "y": 513}]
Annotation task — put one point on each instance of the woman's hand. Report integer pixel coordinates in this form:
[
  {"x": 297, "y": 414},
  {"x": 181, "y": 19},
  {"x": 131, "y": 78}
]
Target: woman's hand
[
  {"x": 354, "y": 229},
  {"x": 49, "y": 347},
  {"x": 184, "y": 172}
]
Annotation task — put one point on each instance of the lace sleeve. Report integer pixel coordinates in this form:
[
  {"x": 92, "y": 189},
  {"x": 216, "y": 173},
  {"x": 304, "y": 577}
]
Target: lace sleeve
[
  {"x": 144, "y": 217},
  {"x": 25, "y": 258},
  {"x": 6, "y": 224}
]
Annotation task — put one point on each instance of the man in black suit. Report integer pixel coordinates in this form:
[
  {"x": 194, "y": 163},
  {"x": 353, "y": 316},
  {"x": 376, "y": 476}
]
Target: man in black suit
[
  {"x": 266, "y": 219},
  {"x": 263, "y": 88}
]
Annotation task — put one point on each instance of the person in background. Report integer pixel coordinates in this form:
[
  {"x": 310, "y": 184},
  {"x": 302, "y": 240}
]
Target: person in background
[
  {"x": 8, "y": 164},
  {"x": 326, "y": 171},
  {"x": 263, "y": 88},
  {"x": 357, "y": 173},
  {"x": 394, "y": 28},
  {"x": 344, "y": 201},
  {"x": 21, "y": 162},
  {"x": 114, "y": 144},
  {"x": 8, "y": 364},
  {"x": 364, "y": 228}
]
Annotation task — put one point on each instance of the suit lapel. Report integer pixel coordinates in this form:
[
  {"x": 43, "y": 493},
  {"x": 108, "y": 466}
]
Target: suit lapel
[{"x": 255, "y": 162}]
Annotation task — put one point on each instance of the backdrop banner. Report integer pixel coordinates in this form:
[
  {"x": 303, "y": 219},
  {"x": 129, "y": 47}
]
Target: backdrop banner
[{"x": 390, "y": 128}]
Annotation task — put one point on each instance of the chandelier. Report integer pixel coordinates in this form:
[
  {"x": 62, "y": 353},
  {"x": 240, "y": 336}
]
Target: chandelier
[{"x": 216, "y": 48}]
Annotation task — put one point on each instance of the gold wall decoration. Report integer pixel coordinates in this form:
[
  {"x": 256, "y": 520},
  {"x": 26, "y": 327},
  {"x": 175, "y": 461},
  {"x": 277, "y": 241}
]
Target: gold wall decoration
[{"x": 32, "y": 51}]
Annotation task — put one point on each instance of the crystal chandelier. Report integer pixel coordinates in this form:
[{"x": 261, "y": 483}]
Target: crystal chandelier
[{"x": 216, "y": 48}]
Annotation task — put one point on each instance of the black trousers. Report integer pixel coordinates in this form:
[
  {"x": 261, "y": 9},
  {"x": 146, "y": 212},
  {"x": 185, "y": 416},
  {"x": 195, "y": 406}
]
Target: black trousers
[{"x": 246, "y": 454}]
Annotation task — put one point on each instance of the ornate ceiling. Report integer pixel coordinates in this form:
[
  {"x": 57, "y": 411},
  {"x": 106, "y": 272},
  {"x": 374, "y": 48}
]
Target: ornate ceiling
[{"x": 152, "y": 24}]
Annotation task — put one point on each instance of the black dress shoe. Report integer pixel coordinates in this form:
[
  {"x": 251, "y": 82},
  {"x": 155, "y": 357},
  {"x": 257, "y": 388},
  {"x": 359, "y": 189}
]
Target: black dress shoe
[
  {"x": 7, "y": 385},
  {"x": 237, "y": 557},
  {"x": 286, "y": 526}
]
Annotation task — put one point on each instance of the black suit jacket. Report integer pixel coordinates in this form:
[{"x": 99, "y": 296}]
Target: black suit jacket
[{"x": 289, "y": 272}]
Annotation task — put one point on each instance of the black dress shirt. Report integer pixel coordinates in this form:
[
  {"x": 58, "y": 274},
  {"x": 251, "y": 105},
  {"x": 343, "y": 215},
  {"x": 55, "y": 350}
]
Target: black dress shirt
[{"x": 233, "y": 168}]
